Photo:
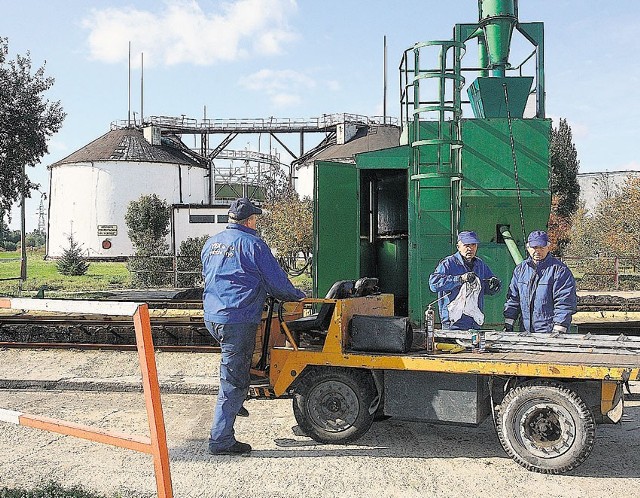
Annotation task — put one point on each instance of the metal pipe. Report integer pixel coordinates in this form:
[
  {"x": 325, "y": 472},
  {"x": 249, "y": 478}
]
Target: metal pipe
[
  {"x": 511, "y": 245},
  {"x": 497, "y": 18}
]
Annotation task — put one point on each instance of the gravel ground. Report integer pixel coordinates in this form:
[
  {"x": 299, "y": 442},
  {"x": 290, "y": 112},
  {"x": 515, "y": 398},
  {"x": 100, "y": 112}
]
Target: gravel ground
[{"x": 395, "y": 458}]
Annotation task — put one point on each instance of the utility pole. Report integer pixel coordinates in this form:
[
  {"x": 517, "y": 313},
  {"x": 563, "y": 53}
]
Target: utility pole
[{"x": 23, "y": 230}]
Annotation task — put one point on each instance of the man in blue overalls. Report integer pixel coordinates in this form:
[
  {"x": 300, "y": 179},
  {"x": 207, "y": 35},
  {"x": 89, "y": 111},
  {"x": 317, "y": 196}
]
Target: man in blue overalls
[
  {"x": 542, "y": 291},
  {"x": 461, "y": 281},
  {"x": 239, "y": 271}
]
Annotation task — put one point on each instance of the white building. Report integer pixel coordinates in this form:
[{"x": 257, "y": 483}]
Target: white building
[
  {"x": 91, "y": 189},
  {"x": 595, "y": 187}
]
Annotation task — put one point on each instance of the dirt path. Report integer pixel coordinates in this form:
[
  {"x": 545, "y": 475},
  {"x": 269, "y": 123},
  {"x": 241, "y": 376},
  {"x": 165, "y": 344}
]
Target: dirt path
[{"x": 395, "y": 458}]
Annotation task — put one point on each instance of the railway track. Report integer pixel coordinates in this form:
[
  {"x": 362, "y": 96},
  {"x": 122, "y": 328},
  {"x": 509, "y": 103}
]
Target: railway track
[{"x": 177, "y": 325}]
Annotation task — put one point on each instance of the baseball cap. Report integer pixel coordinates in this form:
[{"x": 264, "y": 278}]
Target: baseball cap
[
  {"x": 468, "y": 237},
  {"x": 538, "y": 239},
  {"x": 242, "y": 208}
]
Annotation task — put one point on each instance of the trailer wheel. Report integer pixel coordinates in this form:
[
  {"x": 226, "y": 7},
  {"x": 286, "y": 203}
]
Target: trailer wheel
[
  {"x": 545, "y": 427},
  {"x": 332, "y": 405}
]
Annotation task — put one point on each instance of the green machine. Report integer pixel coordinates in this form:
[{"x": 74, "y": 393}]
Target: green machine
[{"x": 396, "y": 213}]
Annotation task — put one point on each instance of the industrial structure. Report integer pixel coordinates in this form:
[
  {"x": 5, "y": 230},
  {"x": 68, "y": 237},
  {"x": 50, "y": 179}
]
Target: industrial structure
[
  {"x": 400, "y": 209},
  {"x": 92, "y": 188}
]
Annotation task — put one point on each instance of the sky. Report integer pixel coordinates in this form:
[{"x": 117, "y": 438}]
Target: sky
[{"x": 305, "y": 58}]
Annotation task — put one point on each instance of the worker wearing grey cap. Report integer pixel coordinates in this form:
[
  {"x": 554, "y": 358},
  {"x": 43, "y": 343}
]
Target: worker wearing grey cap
[
  {"x": 461, "y": 281},
  {"x": 542, "y": 293},
  {"x": 239, "y": 271}
]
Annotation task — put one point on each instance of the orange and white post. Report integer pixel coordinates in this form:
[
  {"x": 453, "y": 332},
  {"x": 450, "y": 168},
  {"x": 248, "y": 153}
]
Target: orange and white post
[{"x": 156, "y": 443}]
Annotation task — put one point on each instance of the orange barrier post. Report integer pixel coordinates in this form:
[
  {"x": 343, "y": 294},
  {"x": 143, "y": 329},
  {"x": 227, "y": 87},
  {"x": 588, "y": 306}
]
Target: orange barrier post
[{"x": 156, "y": 444}]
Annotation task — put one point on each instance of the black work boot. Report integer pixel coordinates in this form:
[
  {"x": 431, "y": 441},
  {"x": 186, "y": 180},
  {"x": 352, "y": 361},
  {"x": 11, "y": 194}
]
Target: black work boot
[{"x": 236, "y": 448}]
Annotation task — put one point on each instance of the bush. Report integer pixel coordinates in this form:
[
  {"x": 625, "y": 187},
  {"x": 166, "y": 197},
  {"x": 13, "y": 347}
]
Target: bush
[
  {"x": 9, "y": 246},
  {"x": 147, "y": 222},
  {"x": 72, "y": 261},
  {"x": 35, "y": 239},
  {"x": 151, "y": 269},
  {"x": 189, "y": 261}
]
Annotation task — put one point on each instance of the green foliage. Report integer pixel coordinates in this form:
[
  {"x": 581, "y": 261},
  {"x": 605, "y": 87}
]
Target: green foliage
[
  {"x": 27, "y": 120},
  {"x": 564, "y": 169},
  {"x": 50, "y": 490},
  {"x": 565, "y": 190},
  {"x": 9, "y": 239},
  {"x": 189, "y": 262},
  {"x": 72, "y": 262},
  {"x": 7, "y": 245},
  {"x": 613, "y": 229},
  {"x": 148, "y": 221},
  {"x": 288, "y": 225},
  {"x": 36, "y": 239}
]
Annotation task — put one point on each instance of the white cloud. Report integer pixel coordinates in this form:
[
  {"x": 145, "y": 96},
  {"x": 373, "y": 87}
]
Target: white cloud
[
  {"x": 284, "y": 87},
  {"x": 286, "y": 99},
  {"x": 181, "y": 32}
]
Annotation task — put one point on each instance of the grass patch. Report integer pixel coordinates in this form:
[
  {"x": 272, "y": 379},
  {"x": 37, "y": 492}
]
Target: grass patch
[
  {"x": 101, "y": 276},
  {"x": 50, "y": 490}
]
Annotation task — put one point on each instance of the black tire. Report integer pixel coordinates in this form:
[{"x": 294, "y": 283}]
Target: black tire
[
  {"x": 545, "y": 427},
  {"x": 332, "y": 405}
]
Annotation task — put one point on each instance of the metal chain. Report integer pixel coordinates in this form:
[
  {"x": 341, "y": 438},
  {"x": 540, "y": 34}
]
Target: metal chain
[{"x": 515, "y": 163}]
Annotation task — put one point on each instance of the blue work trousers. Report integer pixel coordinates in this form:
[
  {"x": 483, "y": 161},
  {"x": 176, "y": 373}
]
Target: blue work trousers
[{"x": 237, "y": 341}]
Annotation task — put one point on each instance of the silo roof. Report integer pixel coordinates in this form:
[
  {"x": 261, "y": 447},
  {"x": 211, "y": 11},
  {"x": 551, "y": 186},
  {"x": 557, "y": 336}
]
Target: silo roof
[
  {"x": 366, "y": 139},
  {"x": 127, "y": 144}
]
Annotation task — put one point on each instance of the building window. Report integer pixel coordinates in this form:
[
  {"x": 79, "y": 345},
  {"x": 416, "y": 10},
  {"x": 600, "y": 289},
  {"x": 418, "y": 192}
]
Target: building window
[
  {"x": 202, "y": 218},
  {"x": 223, "y": 218}
]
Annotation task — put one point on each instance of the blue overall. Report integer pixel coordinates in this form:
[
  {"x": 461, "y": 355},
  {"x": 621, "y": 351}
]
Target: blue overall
[
  {"x": 542, "y": 295},
  {"x": 239, "y": 270},
  {"x": 446, "y": 279}
]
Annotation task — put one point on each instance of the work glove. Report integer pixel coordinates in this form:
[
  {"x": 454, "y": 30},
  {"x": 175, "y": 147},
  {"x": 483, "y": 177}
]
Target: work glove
[
  {"x": 494, "y": 284},
  {"x": 469, "y": 277}
]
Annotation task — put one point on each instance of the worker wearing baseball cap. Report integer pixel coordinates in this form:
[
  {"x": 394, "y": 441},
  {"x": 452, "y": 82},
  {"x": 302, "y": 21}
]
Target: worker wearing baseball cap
[
  {"x": 461, "y": 281},
  {"x": 542, "y": 292},
  {"x": 239, "y": 271}
]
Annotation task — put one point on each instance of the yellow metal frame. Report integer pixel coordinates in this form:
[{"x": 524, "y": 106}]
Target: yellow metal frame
[{"x": 287, "y": 363}]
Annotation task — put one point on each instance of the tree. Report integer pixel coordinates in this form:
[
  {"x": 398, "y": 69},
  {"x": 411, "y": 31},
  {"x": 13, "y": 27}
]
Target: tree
[
  {"x": 72, "y": 261},
  {"x": 287, "y": 226},
  {"x": 618, "y": 220},
  {"x": 565, "y": 190},
  {"x": 27, "y": 119},
  {"x": 36, "y": 239},
  {"x": 613, "y": 229},
  {"x": 148, "y": 221}
]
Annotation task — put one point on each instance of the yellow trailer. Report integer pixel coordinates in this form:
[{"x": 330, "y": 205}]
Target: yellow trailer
[{"x": 545, "y": 404}]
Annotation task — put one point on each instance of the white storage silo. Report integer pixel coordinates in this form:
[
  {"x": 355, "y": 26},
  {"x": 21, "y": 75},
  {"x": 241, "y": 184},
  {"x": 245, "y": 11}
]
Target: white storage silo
[{"x": 91, "y": 189}]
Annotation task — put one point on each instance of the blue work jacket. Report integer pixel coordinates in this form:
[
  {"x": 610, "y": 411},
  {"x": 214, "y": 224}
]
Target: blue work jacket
[
  {"x": 542, "y": 295},
  {"x": 447, "y": 279},
  {"x": 239, "y": 271}
]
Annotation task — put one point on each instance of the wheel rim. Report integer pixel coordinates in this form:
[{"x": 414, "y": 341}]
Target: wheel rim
[
  {"x": 547, "y": 430},
  {"x": 333, "y": 406}
]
